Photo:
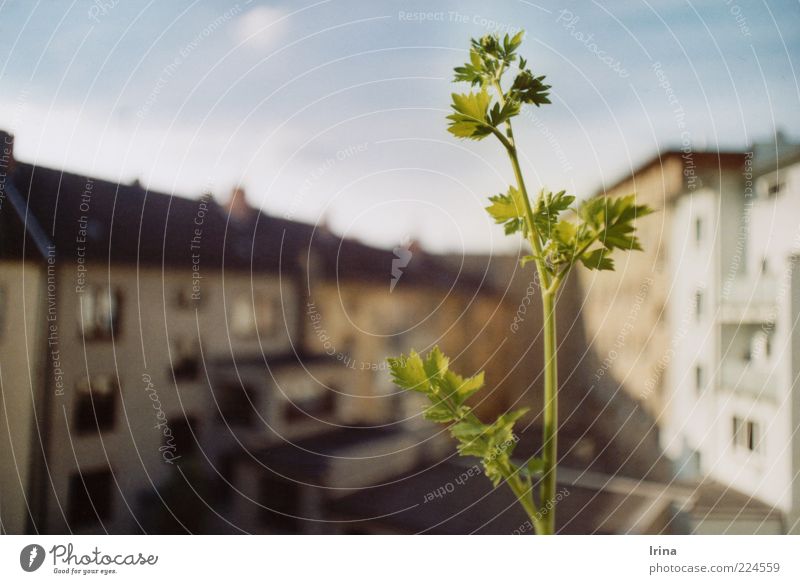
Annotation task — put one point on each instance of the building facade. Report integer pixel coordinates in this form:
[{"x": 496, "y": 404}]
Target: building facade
[{"x": 711, "y": 350}]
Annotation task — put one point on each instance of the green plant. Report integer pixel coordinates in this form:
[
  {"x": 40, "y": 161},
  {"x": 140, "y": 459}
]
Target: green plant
[{"x": 559, "y": 236}]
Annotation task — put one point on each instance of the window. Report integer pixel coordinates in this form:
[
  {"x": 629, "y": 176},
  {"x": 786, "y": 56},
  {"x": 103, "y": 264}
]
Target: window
[
  {"x": 759, "y": 347},
  {"x": 99, "y": 312},
  {"x": 96, "y": 401},
  {"x": 746, "y": 434},
  {"x": 311, "y": 404},
  {"x": 236, "y": 403},
  {"x": 774, "y": 188},
  {"x": 254, "y": 314},
  {"x": 698, "y": 230},
  {"x": 184, "y": 436},
  {"x": 699, "y": 381},
  {"x": 89, "y": 498},
  {"x": 186, "y": 358},
  {"x": 752, "y": 436},
  {"x": 698, "y": 305}
]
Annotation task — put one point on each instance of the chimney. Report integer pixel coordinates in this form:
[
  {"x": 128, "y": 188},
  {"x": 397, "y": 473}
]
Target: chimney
[
  {"x": 6, "y": 154},
  {"x": 237, "y": 206}
]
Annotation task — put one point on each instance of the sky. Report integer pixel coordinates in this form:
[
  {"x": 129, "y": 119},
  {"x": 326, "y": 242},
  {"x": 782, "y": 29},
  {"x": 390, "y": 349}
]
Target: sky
[{"x": 334, "y": 111}]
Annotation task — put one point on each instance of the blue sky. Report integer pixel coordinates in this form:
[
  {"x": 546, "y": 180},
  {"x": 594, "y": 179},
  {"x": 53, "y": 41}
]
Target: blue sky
[{"x": 334, "y": 110}]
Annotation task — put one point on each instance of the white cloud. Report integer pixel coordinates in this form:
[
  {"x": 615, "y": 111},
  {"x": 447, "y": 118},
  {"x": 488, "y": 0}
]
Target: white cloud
[{"x": 261, "y": 26}]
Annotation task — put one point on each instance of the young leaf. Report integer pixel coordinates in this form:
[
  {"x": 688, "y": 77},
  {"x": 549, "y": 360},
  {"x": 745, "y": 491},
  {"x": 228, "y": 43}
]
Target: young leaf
[
  {"x": 471, "y": 72},
  {"x": 470, "y": 117},
  {"x": 612, "y": 220},
  {"x": 409, "y": 372},
  {"x": 436, "y": 365},
  {"x": 597, "y": 260},
  {"x": 509, "y": 210},
  {"x": 460, "y": 389},
  {"x": 498, "y": 115},
  {"x": 547, "y": 209},
  {"x": 564, "y": 232},
  {"x": 439, "y": 412},
  {"x": 528, "y": 88}
]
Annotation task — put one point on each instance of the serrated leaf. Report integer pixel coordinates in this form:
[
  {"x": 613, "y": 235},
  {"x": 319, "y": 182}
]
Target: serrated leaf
[
  {"x": 459, "y": 388},
  {"x": 438, "y": 413},
  {"x": 612, "y": 220},
  {"x": 472, "y": 448},
  {"x": 597, "y": 260},
  {"x": 467, "y": 430},
  {"x": 547, "y": 209},
  {"x": 499, "y": 115},
  {"x": 500, "y": 434},
  {"x": 508, "y": 209},
  {"x": 436, "y": 364},
  {"x": 409, "y": 372},
  {"x": 528, "y": 88},
  {"x": 469, "y": 119}
]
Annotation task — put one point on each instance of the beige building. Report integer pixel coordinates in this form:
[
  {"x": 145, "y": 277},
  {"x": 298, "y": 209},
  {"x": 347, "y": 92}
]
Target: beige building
[{"x": 150, "y": 341}]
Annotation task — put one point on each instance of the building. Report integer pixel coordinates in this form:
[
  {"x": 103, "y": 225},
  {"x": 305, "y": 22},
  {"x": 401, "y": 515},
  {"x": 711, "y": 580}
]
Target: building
[
  {"x": 707, "y": 345},
  {"x": 150, "y": 341},
  {"x": 170, "y": 365}
]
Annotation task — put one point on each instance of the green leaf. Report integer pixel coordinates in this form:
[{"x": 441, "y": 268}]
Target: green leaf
[
  {"x": 612, "y": 220},
  {"x": 459, "y": 388},
  {"x": 470, "y": 117},
  {"x": 527, "y": 88},
  {"x": 439, "y": 412},
  {"x": 498, "y": 115},
  {"x": 500, "y": 434},
  {"x": 409, "y": 372},
  {"x": 547, "y": 209},
  {"x": 474, "y": 447},
  {"x": 472, "y": 72},
  {"x": 513, "y": 44},
  {"x": 509, "y": 209},
  {"x": 436, "y": 364},
  {"x": 467, "y": 431},
  {"x": 597, "y": 260},
  {"x": 564, "y": 233}
]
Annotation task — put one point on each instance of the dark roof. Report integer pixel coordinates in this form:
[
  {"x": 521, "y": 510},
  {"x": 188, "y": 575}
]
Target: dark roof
[
  {"x": 128, "y": 224},
  {"x": 702, "y": 160}
]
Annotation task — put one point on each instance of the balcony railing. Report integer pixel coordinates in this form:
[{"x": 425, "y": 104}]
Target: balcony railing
[
  {"x": 749, "y": 377},
  {"x": 749, "y": 300}
]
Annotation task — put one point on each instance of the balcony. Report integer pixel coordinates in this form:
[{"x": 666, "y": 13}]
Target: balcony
[
  {"x": 749, "y": 300},
  {"x": 749, "y": 378}
]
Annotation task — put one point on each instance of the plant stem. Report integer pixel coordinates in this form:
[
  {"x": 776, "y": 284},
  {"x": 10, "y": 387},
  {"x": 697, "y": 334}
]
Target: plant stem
[
  {"x": 524, "y": 494},
  {"x": 545, "y": 524},
  {"x": 550, "y": 430}
]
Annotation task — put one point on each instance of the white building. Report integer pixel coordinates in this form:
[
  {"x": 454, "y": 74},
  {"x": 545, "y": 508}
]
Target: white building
[
  {"x": 732, "y": 385},
  {"x": 700, "y": 328}
]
